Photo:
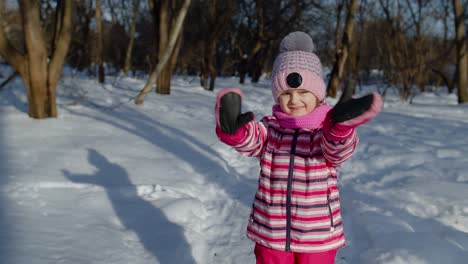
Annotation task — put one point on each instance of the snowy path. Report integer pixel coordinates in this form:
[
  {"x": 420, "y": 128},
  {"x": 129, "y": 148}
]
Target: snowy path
[{"x": 152, "y": 184}]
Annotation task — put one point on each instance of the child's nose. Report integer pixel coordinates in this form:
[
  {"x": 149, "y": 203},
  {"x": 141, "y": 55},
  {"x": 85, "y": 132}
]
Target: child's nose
[{"x": 294, "y": 97}]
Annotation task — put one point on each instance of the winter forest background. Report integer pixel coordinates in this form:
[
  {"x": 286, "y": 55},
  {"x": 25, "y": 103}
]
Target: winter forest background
[
  {"x": 108, "y": 152},
  {"x": 406, "y": 45}
]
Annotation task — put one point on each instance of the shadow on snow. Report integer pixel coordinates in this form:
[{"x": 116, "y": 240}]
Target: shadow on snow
[{"x": 162, "y": 238}]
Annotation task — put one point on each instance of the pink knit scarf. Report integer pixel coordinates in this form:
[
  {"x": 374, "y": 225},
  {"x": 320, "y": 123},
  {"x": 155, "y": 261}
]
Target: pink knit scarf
[{"x": 312, "y": 120}]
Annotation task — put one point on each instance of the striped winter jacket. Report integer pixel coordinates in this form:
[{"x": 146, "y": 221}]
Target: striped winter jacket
[{"x": 297, "y": 204}]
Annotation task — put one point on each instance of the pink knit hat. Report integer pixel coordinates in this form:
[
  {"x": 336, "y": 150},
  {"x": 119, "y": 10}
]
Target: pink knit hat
[{"x": 297, "y": 67}]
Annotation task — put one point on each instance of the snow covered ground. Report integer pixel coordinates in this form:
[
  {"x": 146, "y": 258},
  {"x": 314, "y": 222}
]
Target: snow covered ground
[{"x": 111, "y": 182}]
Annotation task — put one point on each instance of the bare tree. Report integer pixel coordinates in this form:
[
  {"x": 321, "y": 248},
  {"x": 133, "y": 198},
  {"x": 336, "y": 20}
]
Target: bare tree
[
  {"x": 100, "y": 43},
  {"x": 254, "y": 58},
  {"x": 163, "y": 60},
  {"x": 403, "y": 48},
  {"x": 217, "y": 19},
  {"x": 342, "y": 51},
  {"x": 339, "y": 14},
  {"x": 166, "y": 20},
  {"x": 113, "y": 11},
  {"x": 128, "y": 54},
  {"x": 39, "y": 68},
  {"x": 353, "y": 78},
  {"x": 440, "y": 67},
  {"x": 462, "y": 57},
  {"x": 244, "y": 35},
  {"x": 81, "y": 45}
]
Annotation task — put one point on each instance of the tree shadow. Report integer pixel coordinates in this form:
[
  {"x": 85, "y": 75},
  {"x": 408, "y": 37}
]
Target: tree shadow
[{"x": 164, "y": 239}]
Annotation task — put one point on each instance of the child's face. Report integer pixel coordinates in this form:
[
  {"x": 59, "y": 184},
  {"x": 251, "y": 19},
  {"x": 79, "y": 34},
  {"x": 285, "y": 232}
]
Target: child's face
[{"x": 297, "y": 102}]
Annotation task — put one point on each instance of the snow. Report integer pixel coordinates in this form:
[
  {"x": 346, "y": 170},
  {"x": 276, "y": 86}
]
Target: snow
[{"x": 112, "y": 182}]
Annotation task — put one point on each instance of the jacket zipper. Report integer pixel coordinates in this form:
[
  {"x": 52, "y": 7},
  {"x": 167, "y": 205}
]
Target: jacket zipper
[
  {"x": 330, "y": 212},
  {"x": 289, "y": 192}
]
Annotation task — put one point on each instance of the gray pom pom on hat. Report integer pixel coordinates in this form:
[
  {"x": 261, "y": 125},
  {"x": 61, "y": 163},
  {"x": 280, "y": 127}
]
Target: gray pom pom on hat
[{"x": 297, "y": 41}]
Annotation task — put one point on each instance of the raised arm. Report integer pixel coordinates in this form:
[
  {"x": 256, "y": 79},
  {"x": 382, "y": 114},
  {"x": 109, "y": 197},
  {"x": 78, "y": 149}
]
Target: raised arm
[
  {"x": 339, "y": 138},
  {"x": 237, "y": 129}
]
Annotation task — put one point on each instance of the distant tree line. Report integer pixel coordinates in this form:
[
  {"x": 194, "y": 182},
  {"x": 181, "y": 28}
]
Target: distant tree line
[{"x": 409, "y": 45}]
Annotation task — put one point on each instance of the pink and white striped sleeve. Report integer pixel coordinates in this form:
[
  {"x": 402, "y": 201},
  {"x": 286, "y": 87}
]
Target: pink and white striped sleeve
[
  {"x": 338, "y": 144},
  {"x": 248, "y": 140}
]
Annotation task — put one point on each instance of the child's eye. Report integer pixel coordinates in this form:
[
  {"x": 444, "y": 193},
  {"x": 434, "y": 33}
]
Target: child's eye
[{"x": 303, "y": 92}]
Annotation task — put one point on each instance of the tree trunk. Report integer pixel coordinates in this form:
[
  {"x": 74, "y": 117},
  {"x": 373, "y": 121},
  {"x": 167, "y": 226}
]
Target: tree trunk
[
  {"x": 339, "y": 8},
  {"x": 164, "y": 78},
  {"x": 462, "y": 57},
  {"x": 448, "y": 80},
  {"x": 254, "y": 56},
  {"x": 218, "y": 19},
  {"x": 242, "y": 68},
  {"x": 100, "y": 43},
  {"x": 166, "y": 56},
  {"x": 40, "y": 73},
  {"x": 210, "y": 52},
  {"x": 203, "y": 75},
  {"x": 256, "y": 68},
  {"x": 128, "y": 54},
  {"x": 341, "y": 54},
  {"x": 37, "y": 58},
  {"x": 163, "y": 84},
  {"x": 213, "y": 73},
  {"x": 352, "y": 79},
  {"x": 86, "y": 59}
]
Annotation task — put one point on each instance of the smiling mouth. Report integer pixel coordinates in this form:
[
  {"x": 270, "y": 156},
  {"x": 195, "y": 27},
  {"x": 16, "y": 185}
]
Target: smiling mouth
[{"x": 296, "y": 108}]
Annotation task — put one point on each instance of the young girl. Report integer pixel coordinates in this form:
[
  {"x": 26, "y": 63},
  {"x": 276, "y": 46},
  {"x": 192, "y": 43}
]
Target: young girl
[{"x": 296, "y": 212}]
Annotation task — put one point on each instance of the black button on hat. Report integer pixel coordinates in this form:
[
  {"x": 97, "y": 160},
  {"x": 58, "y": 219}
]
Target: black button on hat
[{"x": 294, "y": 80}]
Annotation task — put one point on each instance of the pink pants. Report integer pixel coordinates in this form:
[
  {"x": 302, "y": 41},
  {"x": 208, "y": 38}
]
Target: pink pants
[{"x": 266, "y": 255}]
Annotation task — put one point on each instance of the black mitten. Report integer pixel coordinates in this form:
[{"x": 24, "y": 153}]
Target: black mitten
[
  {"x": 351, "y": 112},
  {"x": 228, "y": 111}
]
